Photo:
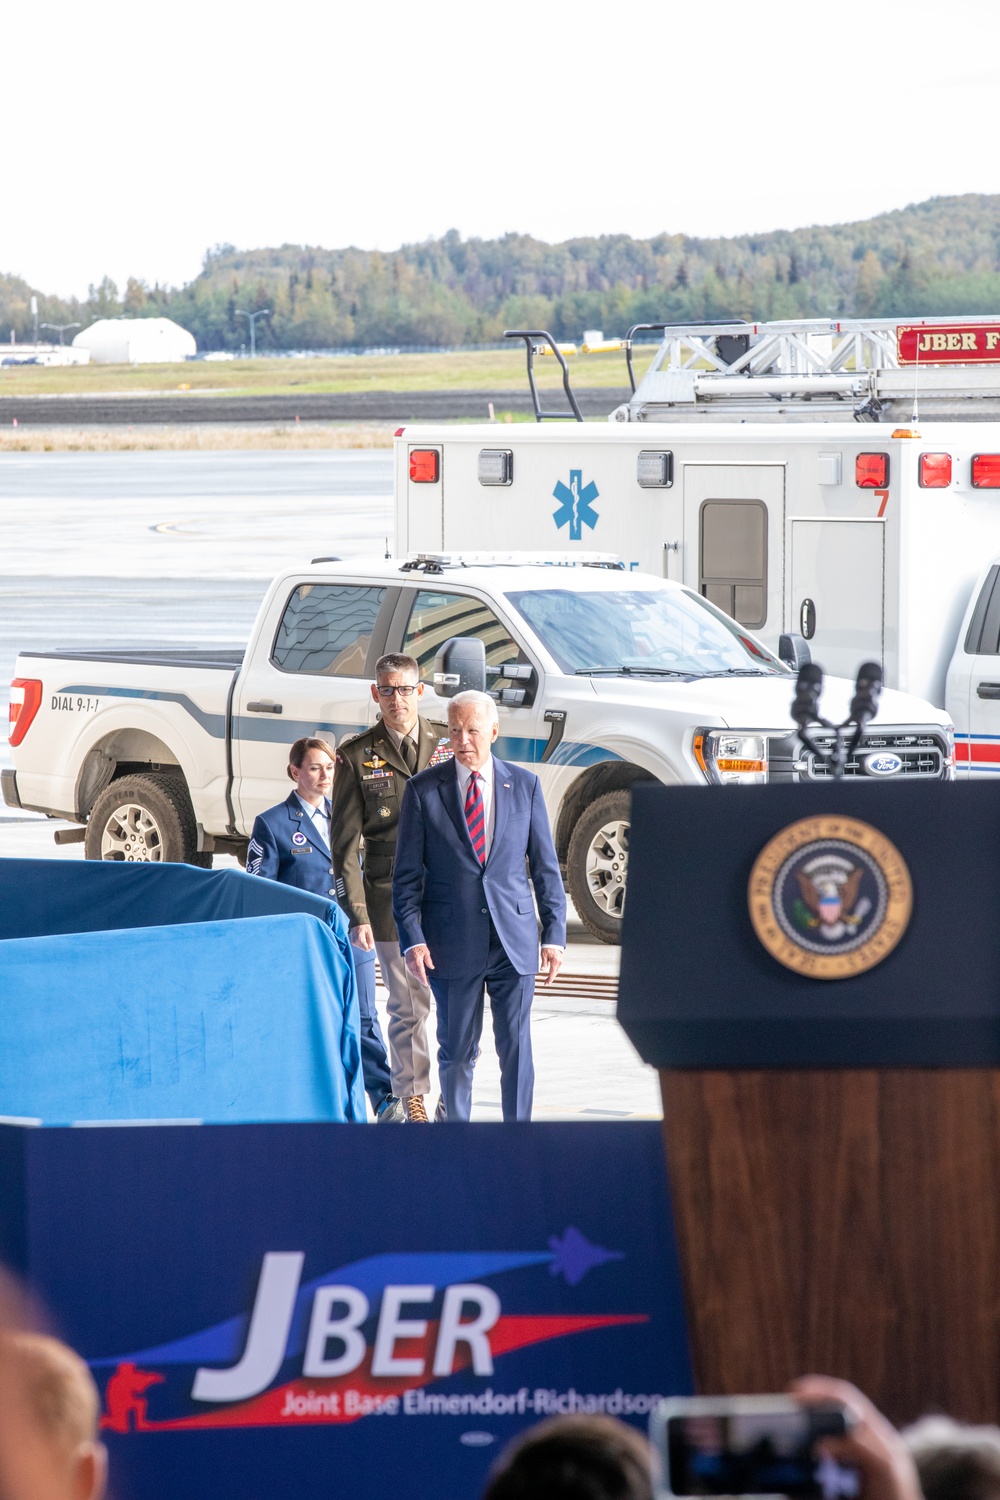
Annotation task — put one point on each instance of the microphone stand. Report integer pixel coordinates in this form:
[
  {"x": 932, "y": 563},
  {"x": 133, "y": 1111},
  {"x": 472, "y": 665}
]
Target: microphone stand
[{"x": 864, "y": 706}]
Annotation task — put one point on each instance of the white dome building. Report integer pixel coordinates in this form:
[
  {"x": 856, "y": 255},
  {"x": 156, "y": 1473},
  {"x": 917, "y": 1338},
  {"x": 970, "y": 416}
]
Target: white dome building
[{"x": 136, "y": 341}]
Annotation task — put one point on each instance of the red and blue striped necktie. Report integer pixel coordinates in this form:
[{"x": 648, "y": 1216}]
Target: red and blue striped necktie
[{"x": 475, "y": 817}]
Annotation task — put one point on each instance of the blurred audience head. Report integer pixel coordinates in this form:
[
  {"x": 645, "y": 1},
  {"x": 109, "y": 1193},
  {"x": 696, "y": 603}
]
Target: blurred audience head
[
  {"x": 49, "y": 1447},
  {"x": 955, "y": 1462},
  {"x": 574, "y": 1458}
]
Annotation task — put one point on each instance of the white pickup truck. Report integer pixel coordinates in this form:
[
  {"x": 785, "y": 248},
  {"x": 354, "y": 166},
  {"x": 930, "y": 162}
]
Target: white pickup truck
[{"x": 605, "y": 677}]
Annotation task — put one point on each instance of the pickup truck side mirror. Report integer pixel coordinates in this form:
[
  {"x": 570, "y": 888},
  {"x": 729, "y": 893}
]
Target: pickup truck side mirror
[
  {"x": 794, "y": 651},
  {"x": 515, "y": 697},
  {"x": 460, "y": 666}
]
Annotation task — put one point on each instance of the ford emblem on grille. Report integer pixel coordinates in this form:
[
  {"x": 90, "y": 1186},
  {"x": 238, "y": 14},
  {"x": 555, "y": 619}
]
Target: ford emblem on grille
[{"x": 882, "y": 763}]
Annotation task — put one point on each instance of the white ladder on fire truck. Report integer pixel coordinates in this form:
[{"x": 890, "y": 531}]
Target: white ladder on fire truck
[{"x": 817, "y": 370}]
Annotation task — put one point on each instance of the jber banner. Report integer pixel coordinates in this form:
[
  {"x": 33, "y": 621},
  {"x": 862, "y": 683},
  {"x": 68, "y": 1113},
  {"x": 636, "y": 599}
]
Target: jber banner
[
  {"x": 330, "y": 1310},
  {"x": 944, "y": 344}
]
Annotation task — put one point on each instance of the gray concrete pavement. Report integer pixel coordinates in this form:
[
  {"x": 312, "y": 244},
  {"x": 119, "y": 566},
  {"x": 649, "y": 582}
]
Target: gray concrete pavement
[{"x": 133, "y": 549}]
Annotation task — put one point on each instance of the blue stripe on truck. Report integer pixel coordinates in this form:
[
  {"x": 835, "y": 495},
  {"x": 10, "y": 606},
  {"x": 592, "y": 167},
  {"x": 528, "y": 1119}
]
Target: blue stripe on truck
[{"x": 276, "y": 730}]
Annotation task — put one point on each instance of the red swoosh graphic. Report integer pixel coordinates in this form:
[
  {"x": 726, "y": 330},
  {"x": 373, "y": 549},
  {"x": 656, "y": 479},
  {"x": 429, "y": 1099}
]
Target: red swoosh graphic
[{"x": 347, "y": 1398}]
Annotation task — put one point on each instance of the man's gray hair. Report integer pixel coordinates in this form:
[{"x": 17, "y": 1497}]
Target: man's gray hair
[{"x": 473, "y": 699}]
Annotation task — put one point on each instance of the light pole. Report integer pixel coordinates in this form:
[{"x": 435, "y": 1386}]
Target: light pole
[
  {"x": 264, "y": 312},
  {"x": 60, "y": 328}
]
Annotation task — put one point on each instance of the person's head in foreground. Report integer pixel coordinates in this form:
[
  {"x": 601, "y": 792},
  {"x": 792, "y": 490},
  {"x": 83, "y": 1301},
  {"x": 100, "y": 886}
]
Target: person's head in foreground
[
  {"x": 49, "y": 1448},
  {"x": 955, "y": 1462},
  {"x": 574, "y": 1458}
]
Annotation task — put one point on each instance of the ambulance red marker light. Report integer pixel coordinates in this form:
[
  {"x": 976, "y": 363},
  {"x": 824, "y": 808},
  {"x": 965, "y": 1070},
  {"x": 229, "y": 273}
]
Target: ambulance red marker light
[
  {"x": 25, "y": 701},
  {"x": 871, "y": 471},
  {"x": 986, "y": 471},
  {"x": 935, "y": 471},
  {"x": 399, "y": 432},
  {"x": 424, "y": 465}
]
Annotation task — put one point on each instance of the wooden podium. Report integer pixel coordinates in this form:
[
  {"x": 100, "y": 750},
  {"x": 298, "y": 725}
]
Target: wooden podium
[{"x": 833, "y": 1144}]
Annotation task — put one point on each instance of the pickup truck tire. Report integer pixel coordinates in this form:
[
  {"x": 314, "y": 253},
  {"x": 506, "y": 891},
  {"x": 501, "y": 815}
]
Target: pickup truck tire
[
  {"x": 145, "y": 818},
  {"x": 597, "y": 864}
]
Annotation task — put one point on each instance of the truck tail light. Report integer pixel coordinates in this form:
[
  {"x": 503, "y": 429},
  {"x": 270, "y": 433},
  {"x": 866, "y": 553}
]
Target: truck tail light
[
  {"x": 986, "y": 471},
  {"x": 25, "y": 701},
  {"x": 425, "y": 465},
  {"x": 871, "y": 471},
  {"x": 935, "y": 471}
]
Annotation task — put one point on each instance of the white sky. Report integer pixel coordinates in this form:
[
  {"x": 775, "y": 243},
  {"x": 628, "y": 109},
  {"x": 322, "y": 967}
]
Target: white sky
[{"x": 137, "y": 135}]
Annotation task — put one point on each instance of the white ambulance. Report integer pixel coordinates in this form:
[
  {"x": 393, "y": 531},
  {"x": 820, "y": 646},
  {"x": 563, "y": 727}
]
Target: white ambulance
[{"x": 836, "y": 480}]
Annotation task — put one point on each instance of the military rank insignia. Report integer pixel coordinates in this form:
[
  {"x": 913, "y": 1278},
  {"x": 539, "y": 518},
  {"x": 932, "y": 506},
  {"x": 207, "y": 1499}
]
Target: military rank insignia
[{"x": 442, "y": 752}]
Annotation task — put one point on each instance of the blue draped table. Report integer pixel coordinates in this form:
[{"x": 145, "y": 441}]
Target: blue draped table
[{"x": 167, "y": 992}]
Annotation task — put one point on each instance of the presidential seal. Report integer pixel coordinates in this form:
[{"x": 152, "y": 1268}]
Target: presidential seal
[{"x": 830, "y": 897}]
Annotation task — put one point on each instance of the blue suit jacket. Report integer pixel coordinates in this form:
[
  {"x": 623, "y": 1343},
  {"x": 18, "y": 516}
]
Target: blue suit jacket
[
  {"x": 285, "y": 846},
  {"x": 443, "y": 897}
]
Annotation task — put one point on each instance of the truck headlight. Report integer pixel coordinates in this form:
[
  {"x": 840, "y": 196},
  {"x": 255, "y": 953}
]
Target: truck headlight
[{"x": 730, "y": 758}]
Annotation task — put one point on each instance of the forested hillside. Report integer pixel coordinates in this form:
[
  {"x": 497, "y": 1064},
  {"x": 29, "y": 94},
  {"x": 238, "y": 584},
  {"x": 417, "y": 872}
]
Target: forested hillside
[{"x": 942, "y": 256}]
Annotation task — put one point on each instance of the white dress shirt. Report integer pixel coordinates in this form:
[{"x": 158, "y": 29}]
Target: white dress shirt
[
  {"x": 318, "y": 816},
  {"x": 486, "y": 791}
]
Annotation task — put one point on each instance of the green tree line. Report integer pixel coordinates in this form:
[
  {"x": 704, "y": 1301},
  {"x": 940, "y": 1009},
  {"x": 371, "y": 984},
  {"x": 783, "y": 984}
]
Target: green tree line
[{"x": 941, "y": 256}]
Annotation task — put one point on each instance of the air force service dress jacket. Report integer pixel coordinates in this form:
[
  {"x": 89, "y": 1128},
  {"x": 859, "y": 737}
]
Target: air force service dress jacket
[
  {"x": 444, "y": 897},
  {"x": 285, "y": 846},
  {"x": 368, "y": 790}
]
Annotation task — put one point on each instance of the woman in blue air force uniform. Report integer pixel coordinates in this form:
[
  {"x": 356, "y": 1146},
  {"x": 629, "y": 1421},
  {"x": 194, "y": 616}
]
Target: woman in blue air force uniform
[{"x": 291, "y": 843}]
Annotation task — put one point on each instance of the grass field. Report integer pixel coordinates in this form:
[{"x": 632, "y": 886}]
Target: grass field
[{"x": 488, "y": 369}]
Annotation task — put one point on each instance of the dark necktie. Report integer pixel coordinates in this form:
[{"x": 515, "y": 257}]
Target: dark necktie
[
  {"x": 475, "y": 817},
  {"x": 409, "y": 749}
]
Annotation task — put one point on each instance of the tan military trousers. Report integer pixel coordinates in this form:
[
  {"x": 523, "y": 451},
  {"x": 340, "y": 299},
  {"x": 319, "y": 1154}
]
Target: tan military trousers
[{"x": 409, "y": 1006}]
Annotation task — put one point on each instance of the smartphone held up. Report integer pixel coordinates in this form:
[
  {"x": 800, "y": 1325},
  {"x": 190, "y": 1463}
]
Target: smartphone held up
[{"x": 751, "y": 1445}]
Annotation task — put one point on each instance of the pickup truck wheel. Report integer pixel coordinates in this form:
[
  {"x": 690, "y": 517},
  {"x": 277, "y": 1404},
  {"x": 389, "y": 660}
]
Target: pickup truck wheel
[
  {"x": 597, "y": 865},
  {"x": 142, "y": 819}
]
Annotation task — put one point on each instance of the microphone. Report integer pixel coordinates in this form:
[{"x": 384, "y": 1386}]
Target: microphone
[
  {"x": 867, "y": 691},
  {"x": 808, "y": 686}
]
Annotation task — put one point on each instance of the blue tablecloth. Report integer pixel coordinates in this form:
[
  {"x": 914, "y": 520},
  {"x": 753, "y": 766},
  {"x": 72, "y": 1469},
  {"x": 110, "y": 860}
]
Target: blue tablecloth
[
  {"x": 214, "y": 1020},
  {"x": 42, "y": 897}
]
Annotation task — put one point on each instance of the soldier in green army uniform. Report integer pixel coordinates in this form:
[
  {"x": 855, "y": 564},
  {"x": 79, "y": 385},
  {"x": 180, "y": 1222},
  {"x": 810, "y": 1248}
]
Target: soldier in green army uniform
[{"x": 372, "y": 771}]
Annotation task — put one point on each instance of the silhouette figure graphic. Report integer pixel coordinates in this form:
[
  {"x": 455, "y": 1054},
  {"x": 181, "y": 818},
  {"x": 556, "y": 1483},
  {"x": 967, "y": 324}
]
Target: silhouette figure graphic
[{"x": 124, "y": 1398}]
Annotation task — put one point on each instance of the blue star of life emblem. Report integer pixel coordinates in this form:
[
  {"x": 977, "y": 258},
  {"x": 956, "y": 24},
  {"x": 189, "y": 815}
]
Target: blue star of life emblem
[{"x": 576, "y": 504}]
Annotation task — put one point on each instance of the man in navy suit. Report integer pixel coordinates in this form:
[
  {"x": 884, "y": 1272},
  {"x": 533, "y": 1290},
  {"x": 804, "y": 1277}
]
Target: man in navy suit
[
  {"x": 463, "y": 904},
  {"x": 291, "y": 843}
]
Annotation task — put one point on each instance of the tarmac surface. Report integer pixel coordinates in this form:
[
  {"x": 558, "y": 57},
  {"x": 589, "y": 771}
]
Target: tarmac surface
[
  {"x": 349, "y": 406},
  {"x": 146, "y": 549}
]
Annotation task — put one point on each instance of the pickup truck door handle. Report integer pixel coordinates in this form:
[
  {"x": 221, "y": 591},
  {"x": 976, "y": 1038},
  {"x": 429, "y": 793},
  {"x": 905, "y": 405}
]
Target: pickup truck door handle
[
  {"x": 988, "y": 690},
  {"x": 264, "y": 708}
]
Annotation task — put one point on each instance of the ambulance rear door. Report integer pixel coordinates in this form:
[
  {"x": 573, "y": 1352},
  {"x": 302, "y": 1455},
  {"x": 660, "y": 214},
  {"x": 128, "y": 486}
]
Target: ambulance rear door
[{"x": 837, "y": 593}]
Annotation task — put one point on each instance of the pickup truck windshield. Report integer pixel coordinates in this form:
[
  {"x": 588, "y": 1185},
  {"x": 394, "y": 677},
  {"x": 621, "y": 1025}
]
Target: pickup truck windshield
[{"x": 660, "y": 631}]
